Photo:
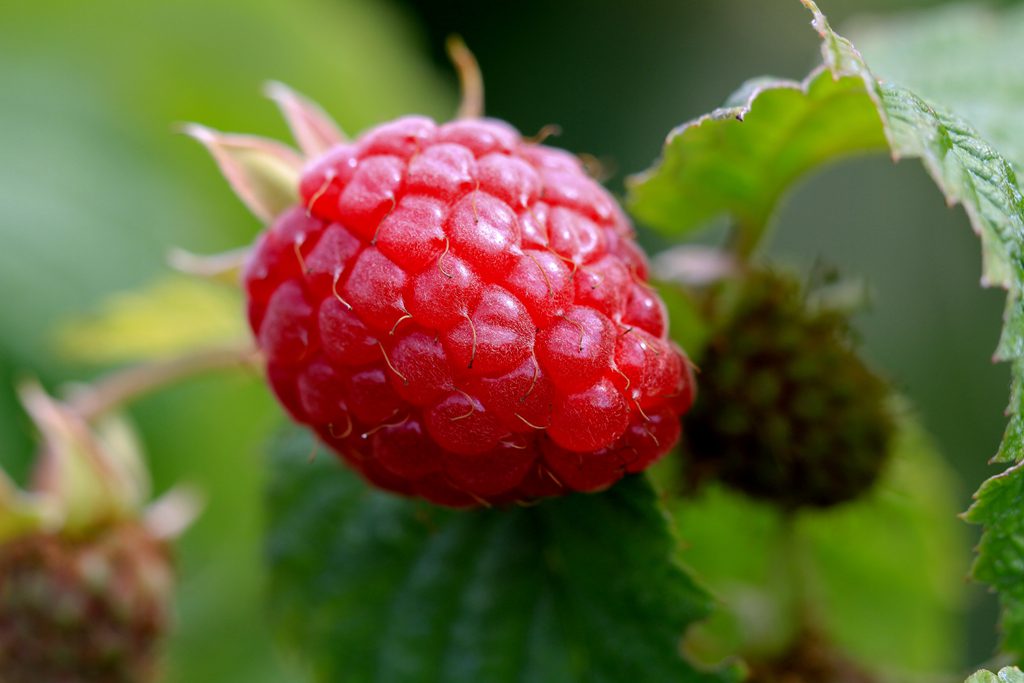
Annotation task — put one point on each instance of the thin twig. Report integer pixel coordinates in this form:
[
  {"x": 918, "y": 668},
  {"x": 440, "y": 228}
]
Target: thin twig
[
  {"x": 226, "y": 265},
  {"x": 106, "y": 393}
]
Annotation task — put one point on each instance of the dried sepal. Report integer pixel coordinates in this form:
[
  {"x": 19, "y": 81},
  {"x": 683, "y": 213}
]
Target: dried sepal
[
  {"x": 93, "y": 478},
  {"x": 224, "y": 267},
  {"x": 313, "y": 129},
  {"x": 263, "y": 173},
  {"x": 171, "y": 514}
]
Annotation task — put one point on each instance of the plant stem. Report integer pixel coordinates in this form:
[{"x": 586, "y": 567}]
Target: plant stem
[
  {"x": 799, "y": 576},
  {"x": 744, "y": 238},
  {"x": 94, "y": 400}
]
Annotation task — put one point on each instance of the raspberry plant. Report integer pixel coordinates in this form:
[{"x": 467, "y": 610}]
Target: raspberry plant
[{"x": 462, "y": 316}]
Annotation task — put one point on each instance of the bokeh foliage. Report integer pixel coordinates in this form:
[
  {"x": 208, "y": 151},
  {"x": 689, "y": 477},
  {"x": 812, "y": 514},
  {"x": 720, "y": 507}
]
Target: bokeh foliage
[{"x": 96, "y": 187}]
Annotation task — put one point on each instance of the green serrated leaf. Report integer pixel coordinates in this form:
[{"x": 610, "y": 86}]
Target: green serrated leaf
[
  {"x": 967, "y": 169},
  {"x": 966, "y": 56},
  {"x": 370, "y": 587},
  {"x": 1000, "y": 560},
  {"x": 739, "y": 160},
  {"x": 1010, "y": 674},
  {"x": 969, "y": 172}
]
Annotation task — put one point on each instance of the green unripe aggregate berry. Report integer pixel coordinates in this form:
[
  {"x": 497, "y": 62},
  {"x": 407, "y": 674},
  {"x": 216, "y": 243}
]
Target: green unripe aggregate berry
[{"x": 787, "y": 411}]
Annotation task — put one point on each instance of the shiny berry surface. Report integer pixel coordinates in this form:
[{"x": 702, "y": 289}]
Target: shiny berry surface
[{"x": 464, "y": 316}]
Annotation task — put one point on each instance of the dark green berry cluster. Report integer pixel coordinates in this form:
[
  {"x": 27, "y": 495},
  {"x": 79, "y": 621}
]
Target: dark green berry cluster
[{"x": 787, "y": 411}]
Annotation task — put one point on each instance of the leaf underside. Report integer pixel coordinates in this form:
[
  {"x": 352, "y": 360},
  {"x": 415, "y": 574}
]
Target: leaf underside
[{"x": 367, "y": 586}]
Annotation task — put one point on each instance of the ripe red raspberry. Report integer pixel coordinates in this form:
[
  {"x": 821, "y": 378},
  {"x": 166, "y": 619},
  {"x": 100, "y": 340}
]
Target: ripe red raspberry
[{"x": 464, "y": 315}]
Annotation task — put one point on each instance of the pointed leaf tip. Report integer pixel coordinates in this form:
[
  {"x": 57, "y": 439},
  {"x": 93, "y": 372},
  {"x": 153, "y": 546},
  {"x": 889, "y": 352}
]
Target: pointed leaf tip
[
  {"x": 313, "y": 129},
  {"x": 263, "y": 173}
]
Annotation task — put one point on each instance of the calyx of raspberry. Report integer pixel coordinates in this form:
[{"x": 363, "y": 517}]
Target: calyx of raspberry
[
  {"x": 460, "y": 313},
  {"x": 85, "y": 478}
]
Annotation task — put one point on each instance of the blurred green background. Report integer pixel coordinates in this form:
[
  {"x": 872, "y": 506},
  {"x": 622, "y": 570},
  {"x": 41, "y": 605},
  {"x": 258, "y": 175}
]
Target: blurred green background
[{"x": 94, "y": 188}]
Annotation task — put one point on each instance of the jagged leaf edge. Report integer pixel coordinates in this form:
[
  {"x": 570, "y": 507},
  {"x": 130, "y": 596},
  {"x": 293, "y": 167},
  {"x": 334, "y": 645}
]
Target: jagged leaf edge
[
  {"x": 739, "y": 105},
  {"x": 969, "y": 172},
  {"x": 317, "y": 486},
  {"x": 995, "y": 210}
]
